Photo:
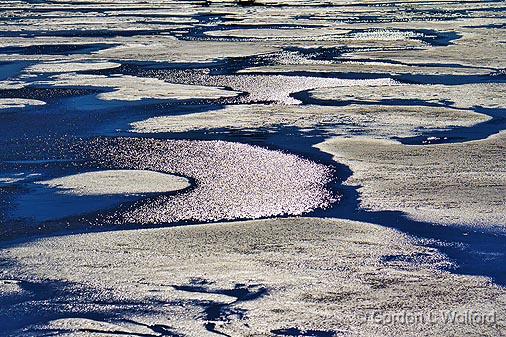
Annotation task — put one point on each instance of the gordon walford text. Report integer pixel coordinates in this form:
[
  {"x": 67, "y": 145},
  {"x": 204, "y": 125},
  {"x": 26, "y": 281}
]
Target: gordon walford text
[{"x": 407, "y": 317}]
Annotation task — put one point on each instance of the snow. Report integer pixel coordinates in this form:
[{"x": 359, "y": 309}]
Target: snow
[
  {"x": 118, "y": 182},
  {"x": 132, "y": 88},
  {"x": 17, "y": 103},
  {"x": 248, "y": 278},
  {"x": 68, "y": 67},
  {"x": 458, "y": 184},
  {"x": 375, "y": 120}
]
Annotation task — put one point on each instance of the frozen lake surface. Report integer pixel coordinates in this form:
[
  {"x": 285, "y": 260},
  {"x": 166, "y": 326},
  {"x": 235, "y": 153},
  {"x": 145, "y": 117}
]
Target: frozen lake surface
[{"x": 262, "y": 168}]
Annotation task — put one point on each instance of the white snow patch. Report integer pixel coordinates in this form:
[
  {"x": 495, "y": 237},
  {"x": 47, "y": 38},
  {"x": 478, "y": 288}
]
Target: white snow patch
[
  {"x": 68, "y": 67},
  {"x": 458, "y": 184},
  {"x": 132, "y": 88},
  {"x": 12, "y": 103},
  {"x": 118, "y": 182}
]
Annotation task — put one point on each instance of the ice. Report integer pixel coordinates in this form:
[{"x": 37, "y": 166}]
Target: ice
[
  {"x": 375, "y": 120},
  {"x": 16, "y": 103},
  {"x": 118, "y": 182},
  {"x": 67, "y": 67},
  {"x": 277, "y": 88},
  {"x": 311, "y": 34},
  {"x": 445, "y": 183},
  {"x": 132, "y": 88},
  {"x": 466, "y": 96},
  {"x": 246, "y": 278},
  {"x": 233, "y": 180}
]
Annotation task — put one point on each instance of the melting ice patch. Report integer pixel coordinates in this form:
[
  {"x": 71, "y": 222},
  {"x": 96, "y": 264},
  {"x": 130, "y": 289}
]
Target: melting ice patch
[
  {"x": 83, "y": 193},
  {"x": 172, "y": 50},
  {"x": 377, "y": 120},
  {"x": 132, "y": 88},
  {"x": 385, "y": 35},
  {"x": 118, "y": 182},
  {"x": 274, "y": 88},
  {"x": 245, "y": 278},
  {"x": 279, "y": 34},
  {"x": 459, "y": 184},
  {"x": 68, "y": 67},
  {"x": 17, "y": 103},
  {"x": 233, "y": 180},
  {"x": 490, "y": 95}
]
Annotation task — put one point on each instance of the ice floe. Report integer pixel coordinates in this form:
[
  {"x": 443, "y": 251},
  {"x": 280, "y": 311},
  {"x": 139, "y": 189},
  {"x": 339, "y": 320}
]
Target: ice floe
[
  {"x": 275, "y": 88},
  {"x": 471, "y": 49},
  {"x": 400, "y": 121},
  {"x": 384, "y": 34},
  {"x": 459, "y": 184},
  {"x": 489, "y": 95},
  {"x": 68, "y": 67},
  {"x": 118, "y": 182},
  {"x": 233, "y": 180},
  {"x": 16, "y": 103},
  {"x": 296, "y": 64},
  {"x": 10, "y": 288},
  {"x": 183, "y": 51},
  {"x": 132, "y": 88},
  {"x": 246, "y": 278},
  {"x": 311, "y": 34}
]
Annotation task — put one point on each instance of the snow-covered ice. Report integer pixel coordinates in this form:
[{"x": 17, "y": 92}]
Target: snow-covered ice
[{"x": 118, "y": 182}]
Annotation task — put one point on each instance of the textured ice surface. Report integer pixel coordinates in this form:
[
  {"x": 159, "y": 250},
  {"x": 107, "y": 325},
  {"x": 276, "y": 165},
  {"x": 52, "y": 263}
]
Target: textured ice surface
[
  {"x": 131, "y": 88},
  {"x": 7, "y": 85},
  {"x": 67, "y": 67},
  {"x": 490, "y": 95},
  {"x": 118, "y": 182},
  {"x": 374, "y": 120},
  {"x": 246, "y": 278},
  {"x": 276, "y": 88},
  {"x": 233, "y": 180},
  {"x": 10, "y": 288},
  {"x": 365, "y": 64},
  {"x": 229, "y": 181},
  {"x": 13, "y": 103},
  {"x": 183, "y": 51},
  {"x": 384, "y": 34},
  {"x": 311, "y": 34},
  {"x": 471, "y": 49},
  {"x": 461, "y": 184},
  {"x": 296, "y": 63}
]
